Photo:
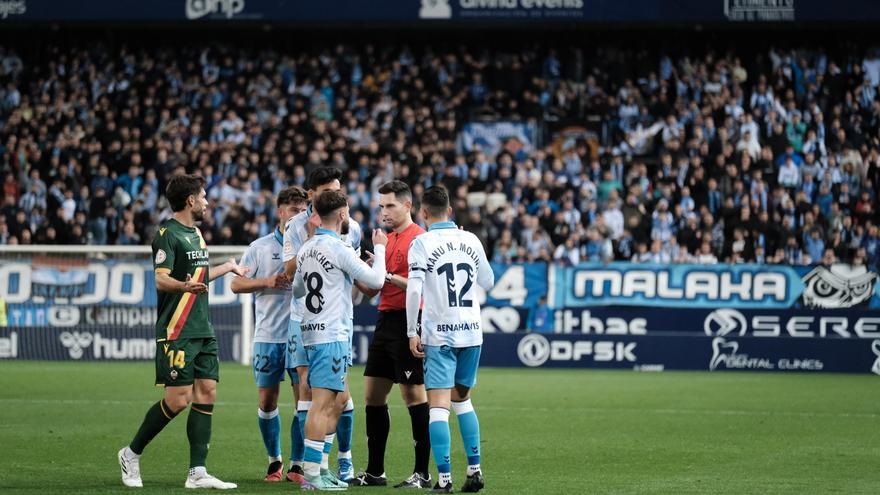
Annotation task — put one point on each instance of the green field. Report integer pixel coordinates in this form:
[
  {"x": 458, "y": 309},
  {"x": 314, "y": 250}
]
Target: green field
[{"x": 543, "y": 431}]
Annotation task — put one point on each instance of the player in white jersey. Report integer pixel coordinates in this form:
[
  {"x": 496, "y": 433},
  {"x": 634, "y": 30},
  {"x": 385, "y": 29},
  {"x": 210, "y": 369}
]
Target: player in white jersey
[
  {"x": 272, "y": 295},
  {"x": 298, "y": 230},
  {"x": 444, "y": 264},
  {"x": 326, "y": 269}
]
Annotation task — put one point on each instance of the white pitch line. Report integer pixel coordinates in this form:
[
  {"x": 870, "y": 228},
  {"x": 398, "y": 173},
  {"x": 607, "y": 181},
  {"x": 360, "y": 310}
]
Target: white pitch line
[{"x": 589, "y": 410}]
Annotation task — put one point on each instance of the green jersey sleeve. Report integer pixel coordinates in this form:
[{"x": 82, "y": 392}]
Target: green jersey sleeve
[{"x": 163, "y": 251}]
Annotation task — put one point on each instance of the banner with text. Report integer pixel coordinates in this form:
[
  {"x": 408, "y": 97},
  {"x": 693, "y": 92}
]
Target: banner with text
[
  {"x": 644, "y": 339},
  {"x": 712, "y": 286},
  {"x": 441, "y": 11}
]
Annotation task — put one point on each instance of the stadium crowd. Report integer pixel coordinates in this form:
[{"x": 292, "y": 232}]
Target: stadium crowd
[{"x": 700, "y": 159}]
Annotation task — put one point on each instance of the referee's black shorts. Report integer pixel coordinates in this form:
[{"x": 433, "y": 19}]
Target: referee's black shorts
[{"x": 389, "y": 355}]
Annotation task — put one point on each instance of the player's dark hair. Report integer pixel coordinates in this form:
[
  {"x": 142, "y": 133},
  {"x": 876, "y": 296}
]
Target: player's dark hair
[
  {"x": 330, "y": 201},
  {"x": 181, "y": 187},
  {"x": 400, "y": 189},
  {"x": 323, "y": 175},
  {"x": 435, "y": 199},
  {"x": 291, "y": 196}
]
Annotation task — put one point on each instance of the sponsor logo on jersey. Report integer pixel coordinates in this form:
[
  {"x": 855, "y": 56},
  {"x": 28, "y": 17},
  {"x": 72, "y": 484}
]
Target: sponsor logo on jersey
[{"x": 458, "y": 327}]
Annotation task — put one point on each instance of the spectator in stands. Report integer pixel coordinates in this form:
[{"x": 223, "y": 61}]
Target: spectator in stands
[
  {"x": 705, "y": 257},
  {"x": 540, "y": 319},
  {"x": 871, "y": 246}
]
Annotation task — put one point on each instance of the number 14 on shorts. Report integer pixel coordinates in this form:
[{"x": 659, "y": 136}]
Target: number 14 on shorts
[{"x": 176, "y": 359}]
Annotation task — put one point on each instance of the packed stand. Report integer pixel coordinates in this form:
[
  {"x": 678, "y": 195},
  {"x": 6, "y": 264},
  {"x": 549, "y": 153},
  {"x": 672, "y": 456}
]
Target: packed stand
[{"x": 693, "y": 159}]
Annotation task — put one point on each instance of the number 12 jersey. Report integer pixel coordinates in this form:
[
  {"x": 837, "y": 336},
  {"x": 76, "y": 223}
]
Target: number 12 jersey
[{"x": 450, "y": 261}]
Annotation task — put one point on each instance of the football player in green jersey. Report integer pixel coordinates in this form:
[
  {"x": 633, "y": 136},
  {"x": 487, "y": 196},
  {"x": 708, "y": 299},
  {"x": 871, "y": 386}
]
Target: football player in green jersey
[{"x": 187, "y": 362}]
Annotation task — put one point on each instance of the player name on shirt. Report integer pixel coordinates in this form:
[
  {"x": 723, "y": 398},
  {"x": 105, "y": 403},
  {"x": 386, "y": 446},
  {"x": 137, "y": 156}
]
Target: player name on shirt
[
  {"x": 450, "y": 247},
  {"x": 319, "y": 257}
]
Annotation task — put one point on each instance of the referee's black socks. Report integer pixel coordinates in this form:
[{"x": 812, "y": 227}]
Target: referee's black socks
[
  {"x": 419, "y": 415},
  {"x": 378, "y": 426}
]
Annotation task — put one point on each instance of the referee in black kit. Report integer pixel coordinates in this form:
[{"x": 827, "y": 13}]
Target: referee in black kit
[{"x": 390, "y": 360}]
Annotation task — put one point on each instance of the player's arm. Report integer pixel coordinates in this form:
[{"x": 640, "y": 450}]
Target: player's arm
[
  {"x": 250, "y": 282},
  {"x": 299, "y": 285},
  {"x": 485, "y": 275},
  {"x": 366, "y": 291},
  {"x": 355, "y": 236},
  {"x": 163, "y": 264},
  {"x": 417, "y": 270},
  {"x": 396, "y": 280},
  {"x": 244, "y": 285},
  {"x": 231, "y": 266},
  {"x": 391, "y": 278},
  {"x": 290, "y": 267},
  {"x": 292, "y": 242},
  {"x": 371, "y": 276},
  {"x": 361, "y": 287},
  {"x": 166, "y": 283}
]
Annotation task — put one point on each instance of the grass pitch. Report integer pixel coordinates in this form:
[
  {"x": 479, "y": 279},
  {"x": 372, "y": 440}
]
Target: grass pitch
[{"x": 543, "y": 431}]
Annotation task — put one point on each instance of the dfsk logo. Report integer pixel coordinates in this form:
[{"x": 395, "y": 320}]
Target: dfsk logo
[{"x": 535, "y": 350}]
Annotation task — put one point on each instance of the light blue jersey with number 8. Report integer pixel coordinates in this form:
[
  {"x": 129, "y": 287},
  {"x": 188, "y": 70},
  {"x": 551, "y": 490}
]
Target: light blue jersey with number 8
[{"x": 325, "y": 272}]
